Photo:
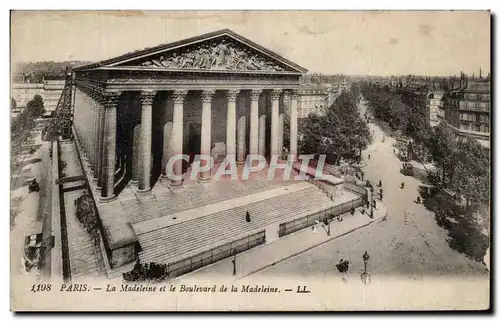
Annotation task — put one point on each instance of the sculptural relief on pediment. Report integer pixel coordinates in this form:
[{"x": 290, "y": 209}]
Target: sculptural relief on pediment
[{"x": 217, "y": 54}]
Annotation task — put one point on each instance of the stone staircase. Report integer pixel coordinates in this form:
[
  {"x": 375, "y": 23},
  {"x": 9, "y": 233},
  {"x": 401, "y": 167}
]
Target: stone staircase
[
  {"x": 163, "y": 203},
  {"x": 166, "y": 245}
]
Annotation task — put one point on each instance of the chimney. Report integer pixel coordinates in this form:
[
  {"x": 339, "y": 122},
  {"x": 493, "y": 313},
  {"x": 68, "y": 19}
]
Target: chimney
[{"x": 480, "y": 76}]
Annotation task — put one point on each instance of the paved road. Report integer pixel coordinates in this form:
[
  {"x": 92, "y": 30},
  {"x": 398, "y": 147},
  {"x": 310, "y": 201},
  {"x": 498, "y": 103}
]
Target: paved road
[
  {"x": 30, "y": 211},
  {"x": 409, "y": 244}
]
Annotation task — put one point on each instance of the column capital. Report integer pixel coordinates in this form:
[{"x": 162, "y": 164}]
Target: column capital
[
  {"x": 147, "y": 97},
  {"x": 232, "y": 94},
  {"x": 96, "y": 93},
  {"x": 255, "y": 94},
  {"x": 276, "y": 94},
  {"x": 207, "y": 95},
  {"x": 110, "y": 99},
  {"x": 294, "y": 93},
  {"x": 179, "y": 96}
]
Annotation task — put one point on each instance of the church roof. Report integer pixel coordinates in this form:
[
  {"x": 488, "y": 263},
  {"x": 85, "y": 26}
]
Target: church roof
[{"x": 139, "y": 54}]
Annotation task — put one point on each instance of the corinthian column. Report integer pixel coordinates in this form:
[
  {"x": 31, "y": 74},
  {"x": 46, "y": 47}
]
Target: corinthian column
[
  {"x": 231, "y": 123},
  {"x": 241, "y": 130},
  {"x": 275, "y": 97},
  {"x": 95, "y": 133},
  {"x": 100, "y": 130},
  {"x": 147, "y": 98},
  {"x": 262, "y": 135},
  {"x": 206, "y": 131},
  {"x": 109, "y": 144},
  {"x": 293, "y": 126},
  {"x": 280, "y": 134},
  {"x": 177, "y": 133},
  {"x": 254, "y": 121}
]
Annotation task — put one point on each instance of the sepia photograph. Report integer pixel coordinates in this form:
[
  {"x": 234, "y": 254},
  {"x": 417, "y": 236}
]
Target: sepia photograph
[{"x": 250, "y": 160}]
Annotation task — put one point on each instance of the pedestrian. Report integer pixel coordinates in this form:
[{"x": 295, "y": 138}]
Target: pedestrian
[
  {"x": 340, "y": 266},
  {"x": 418, "y": 199},
  {"x": 402, "y": 185},
  {"x": 394, "y": 150},
  {"x": 368, "y": 156},
  {"x": 247, "y": 217},
  {"x": 380, "y": 183},
  {"x": 346, "y": 266}
]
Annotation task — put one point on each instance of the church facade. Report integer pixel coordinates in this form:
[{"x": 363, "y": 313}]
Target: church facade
[{"x": 217, "y": 94}]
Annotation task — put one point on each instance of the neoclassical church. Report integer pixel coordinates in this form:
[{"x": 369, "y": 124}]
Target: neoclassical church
[{"x": 218, "y": 93}]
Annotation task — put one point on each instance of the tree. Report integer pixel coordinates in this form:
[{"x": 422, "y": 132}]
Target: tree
[
  {"x": 471, "y": 172},
  {"x": 340, "y": 134},
  {"x": 35, "y": 107},
  {"x": 442, "y": 146}
]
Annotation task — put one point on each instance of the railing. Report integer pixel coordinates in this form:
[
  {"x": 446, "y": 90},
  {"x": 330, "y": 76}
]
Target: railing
[
  {"x": 310, "y": 179},
  {"x": 330, "y": 213},
  {"x": 216, "y": 254},
  {"x": 321, "y": 187}
]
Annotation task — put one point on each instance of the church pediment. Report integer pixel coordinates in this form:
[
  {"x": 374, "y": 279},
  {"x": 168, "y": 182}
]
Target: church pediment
[{"x": 220, "y": 51}]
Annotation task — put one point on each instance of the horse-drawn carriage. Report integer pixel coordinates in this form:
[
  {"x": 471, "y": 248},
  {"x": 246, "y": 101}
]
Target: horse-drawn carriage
[{"x": 407, "y": 169}]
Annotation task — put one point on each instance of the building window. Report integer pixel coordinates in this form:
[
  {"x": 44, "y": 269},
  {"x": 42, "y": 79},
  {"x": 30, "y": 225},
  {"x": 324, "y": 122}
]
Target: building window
[{"x": 477, "y": 127}]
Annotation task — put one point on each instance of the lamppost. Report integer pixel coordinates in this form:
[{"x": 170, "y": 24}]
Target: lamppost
[
  {"x": 365, "y": 277},
  {"x": 371, "y": 201},
  {"x": 234, "y": 262}
]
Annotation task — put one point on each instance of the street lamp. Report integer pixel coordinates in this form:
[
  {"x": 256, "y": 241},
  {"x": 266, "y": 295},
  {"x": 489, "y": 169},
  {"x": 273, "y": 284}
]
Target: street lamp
[
  {"x": 371, "y": 201},
  {"x": 365, "y": 277}
]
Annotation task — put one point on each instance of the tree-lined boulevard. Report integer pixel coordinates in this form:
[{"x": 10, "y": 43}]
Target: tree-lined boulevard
[{"x": 409, "y": 244}]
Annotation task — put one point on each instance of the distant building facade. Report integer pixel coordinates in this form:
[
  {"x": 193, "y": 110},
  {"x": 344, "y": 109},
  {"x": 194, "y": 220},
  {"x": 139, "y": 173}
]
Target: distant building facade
[
  {"x": 467, "y": 109},
  {"x": 435, "y": 106},
  {"x": 312, "y": 100},
  {"x": 315, "y": 99},
  {"x": 49, "y": 90}
]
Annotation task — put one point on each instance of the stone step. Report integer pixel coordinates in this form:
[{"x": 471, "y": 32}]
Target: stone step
[
  {"x": 170, "y": 203},
  {"x": 173, "y": 241}
]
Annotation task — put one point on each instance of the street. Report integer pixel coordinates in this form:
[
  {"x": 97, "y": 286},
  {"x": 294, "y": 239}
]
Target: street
[
  {"x": 32, "y": 210},
  {"x": 408, "y": 245}
]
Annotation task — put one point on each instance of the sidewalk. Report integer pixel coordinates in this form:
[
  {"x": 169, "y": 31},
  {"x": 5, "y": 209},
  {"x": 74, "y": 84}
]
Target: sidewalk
[
  {"x": 84, "y": 259},
  {"x": 261, "y": 257}
]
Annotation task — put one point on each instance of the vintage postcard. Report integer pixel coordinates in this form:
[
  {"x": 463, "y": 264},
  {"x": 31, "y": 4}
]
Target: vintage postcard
[{"x": 250, "y": 160}]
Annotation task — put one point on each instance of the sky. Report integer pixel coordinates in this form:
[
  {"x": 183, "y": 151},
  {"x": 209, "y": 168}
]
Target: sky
[{"x": 332, "y": 42}]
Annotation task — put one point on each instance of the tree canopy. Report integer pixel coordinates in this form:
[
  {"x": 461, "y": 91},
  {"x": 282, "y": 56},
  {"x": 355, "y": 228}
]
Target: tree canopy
[
  {"x": 403, "y": 109},
  {"x": 463, "y": 164},
  {"x": 340, "y": 134},
  {"x": 35, "y": 107}
]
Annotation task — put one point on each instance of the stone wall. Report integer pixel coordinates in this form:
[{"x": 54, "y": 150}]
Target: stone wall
[{"x": 50, "y": 91}]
